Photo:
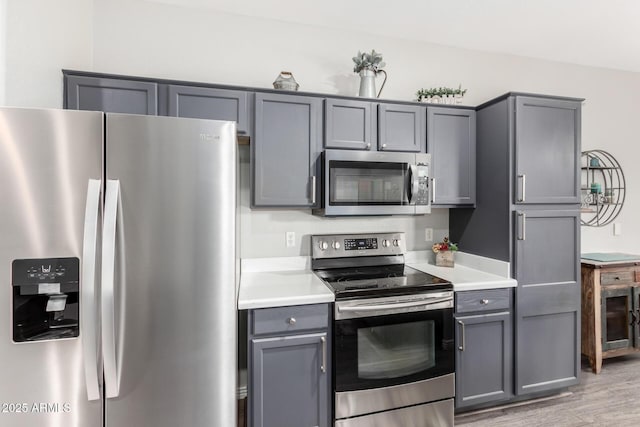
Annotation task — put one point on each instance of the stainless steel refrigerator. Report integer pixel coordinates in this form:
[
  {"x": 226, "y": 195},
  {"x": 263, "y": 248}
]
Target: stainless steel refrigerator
[{"x": 118, "y": 268}]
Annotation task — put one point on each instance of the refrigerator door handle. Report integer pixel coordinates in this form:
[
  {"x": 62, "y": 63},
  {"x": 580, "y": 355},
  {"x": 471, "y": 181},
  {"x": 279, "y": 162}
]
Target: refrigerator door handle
[
  {"x": 111, "y": 376},
  {"x": 89, "y": 306}
]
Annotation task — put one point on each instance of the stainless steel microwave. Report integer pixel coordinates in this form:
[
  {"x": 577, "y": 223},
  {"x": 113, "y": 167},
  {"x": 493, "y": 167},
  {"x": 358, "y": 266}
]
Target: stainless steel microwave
[{"x": 375, "y": 183}]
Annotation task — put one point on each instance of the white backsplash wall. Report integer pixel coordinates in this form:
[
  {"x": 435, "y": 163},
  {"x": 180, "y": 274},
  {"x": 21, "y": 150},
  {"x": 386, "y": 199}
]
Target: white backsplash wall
[{"x": 262, "y": 231}]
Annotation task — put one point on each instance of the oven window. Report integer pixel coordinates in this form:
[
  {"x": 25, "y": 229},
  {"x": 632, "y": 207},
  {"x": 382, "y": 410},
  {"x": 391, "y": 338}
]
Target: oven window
[
  {"x": 393, "y": 351},
  {"x": 388, "y": 350},
  {"x": 368, "y": 183}
]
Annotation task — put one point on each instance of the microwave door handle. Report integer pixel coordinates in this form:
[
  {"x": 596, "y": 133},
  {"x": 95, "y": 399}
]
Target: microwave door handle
[
  {"x": 414, "y": 184},
  {"x": 392, "y": 306}
]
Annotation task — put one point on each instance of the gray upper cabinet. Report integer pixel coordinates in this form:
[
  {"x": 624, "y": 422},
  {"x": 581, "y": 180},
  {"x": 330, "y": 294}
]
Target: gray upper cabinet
[
  {"x": 547, "y": 150},
  {"x": 349, "y": 124},
  {"x": 111, "y": 95},
  {"x": 286, "y": 144},
  {"x": 401, "y": 128},
  {"x": 210, "y": 103},
  {"x": 451, "y": 141},
  {"x": 547, "y": 267}
]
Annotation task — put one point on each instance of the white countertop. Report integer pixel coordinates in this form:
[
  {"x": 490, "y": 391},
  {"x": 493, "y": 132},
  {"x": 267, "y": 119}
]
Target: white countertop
[
  {"x": 285, "y": 281},
  {"x": 471, "y": 272},
  {"x": 291, "y": 283},
  {"x": 465, "y": 278}
]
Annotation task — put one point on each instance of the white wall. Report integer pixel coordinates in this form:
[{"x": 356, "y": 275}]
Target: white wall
[
  {"x": 150, "y": 39},
  {"x": 42, "y": 37}
]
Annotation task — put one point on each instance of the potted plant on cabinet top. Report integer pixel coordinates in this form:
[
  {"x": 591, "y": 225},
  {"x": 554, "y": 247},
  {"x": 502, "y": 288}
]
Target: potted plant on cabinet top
[
  {"x": 441, "y": 95},
  {"x": 368, "y": 66},
  {"x": 444, "y": 252}
]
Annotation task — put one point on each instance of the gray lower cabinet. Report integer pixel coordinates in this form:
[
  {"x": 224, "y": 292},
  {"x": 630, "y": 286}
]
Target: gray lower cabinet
[
  {"x": 451, "y": 141},
  {"x": 484, "y": 357},
  {"x": 110, "y": 95},
  {"x": 401, "y": 128},
  {"x": 210, "y": 103},
  {"x": 286, "y": 144},
  {"x": 547, "y": 150},
  {"x": 547, "y": 269},
  {"x": 289, "y": 368}
]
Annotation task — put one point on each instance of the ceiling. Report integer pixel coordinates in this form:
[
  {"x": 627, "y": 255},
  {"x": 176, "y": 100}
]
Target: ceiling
[{"x": 600, "y": 33}]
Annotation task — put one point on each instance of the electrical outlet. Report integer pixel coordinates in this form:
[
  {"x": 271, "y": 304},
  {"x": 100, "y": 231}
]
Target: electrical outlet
[
  {"x": 617, "y": 229},
  {"x": 290, "y": 239},
  {"x": 428, "y": 234}
]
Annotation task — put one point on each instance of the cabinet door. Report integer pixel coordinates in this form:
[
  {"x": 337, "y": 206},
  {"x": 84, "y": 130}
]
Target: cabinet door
[
  {"x": 483, "y": 362},
  {"x": 618, "y": 318},
  {"x": 349, "y": 124},
  {"x": 401, "y": 128},
  {"x": 547, "y": 269},
  {"x": 289, "y": 384},
  {"x": 547, "y": 151},
  {"x": 451, "y": 141},
  {"x": 111, "y": 95},
  {"x": 635, "y": 291},
  {"x": 285, "y": 148},
  {"x": 208, "y": 103}
]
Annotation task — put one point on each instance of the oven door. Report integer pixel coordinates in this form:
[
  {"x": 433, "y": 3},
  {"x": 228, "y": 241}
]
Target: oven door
[
  {"x": 390, "y": 350},
  {"x": 366, "y": 183}
]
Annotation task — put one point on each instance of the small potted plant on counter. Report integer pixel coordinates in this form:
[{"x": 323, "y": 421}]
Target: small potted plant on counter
[{"x": 444, "y": 252}]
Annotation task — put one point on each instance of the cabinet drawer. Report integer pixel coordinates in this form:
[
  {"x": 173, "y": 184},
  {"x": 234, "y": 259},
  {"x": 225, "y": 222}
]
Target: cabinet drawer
[
  {"x": 290, "y": 319},
  {"x": 487, "y": 300},
  {"x": 616, "y": 277}
]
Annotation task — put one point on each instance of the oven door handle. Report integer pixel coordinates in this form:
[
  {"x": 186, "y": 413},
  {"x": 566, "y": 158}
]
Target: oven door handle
[{"x": 392, "y": 306}]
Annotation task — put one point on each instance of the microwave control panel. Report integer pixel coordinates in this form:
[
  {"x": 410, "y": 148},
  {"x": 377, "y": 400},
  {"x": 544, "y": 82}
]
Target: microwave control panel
[{"x": 422, "y": 196}]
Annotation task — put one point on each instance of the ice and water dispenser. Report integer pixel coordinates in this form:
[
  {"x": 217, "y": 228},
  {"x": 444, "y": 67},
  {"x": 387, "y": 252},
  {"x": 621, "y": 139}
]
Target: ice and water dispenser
[{"x": 45, "y": 298}]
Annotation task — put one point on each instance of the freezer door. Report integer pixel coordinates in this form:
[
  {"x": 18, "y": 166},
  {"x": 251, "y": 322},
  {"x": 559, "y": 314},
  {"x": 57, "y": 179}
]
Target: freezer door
[
  {"x": 169, "y": 307},
  {"x": 47, "y": 160}
]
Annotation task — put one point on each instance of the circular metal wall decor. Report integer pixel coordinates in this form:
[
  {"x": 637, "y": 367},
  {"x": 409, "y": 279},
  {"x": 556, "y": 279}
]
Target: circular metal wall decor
[{"x": 603, "y": 188}]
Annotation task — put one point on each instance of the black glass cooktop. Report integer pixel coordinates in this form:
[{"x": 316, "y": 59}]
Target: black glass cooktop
[{"x": 385, "y": 280}]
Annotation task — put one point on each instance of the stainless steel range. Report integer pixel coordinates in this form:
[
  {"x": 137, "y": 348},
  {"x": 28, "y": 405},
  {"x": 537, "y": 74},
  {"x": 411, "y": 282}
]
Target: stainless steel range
[{"x": 393, "y": 340}]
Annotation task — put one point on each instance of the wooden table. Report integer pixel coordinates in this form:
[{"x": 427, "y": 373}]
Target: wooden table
[{"x": 610, "y": 309}]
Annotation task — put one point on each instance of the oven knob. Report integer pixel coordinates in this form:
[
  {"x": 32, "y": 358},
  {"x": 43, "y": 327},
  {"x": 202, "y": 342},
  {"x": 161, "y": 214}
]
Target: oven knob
[
  {"x": 323, "y": 245},
  {"x": 335, "y": 245},
  {"x": 396, "y": 242},
  {"x": 385, "y": 243}
]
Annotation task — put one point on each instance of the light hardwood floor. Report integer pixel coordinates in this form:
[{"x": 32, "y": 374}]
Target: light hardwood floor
[{"x": 609, "y": 399}]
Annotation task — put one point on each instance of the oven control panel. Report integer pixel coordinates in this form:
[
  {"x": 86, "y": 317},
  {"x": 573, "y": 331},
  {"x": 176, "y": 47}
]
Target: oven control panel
[{"x": 357, "y": 245}]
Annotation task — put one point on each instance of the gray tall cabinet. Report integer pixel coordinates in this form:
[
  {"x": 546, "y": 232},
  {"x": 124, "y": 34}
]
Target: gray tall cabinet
[{"x": 527, "y": 213}]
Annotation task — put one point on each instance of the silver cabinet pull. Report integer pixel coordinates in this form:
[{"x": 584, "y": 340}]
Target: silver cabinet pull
[
  {"x": 522, "y": 234},
  {"x": 291, "y": 320},
  {"x": 523, "y": 187},
  {"x": 313, "y": 190},
  {"x": 461, "y": 346},
  {"x": 89, "y": 309},
  {"x": 384, "y": 145},
  {"x": 484, "y": 301},
  {"x": 368, "y": 145},
  {"x": 323, "y": 367}
]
